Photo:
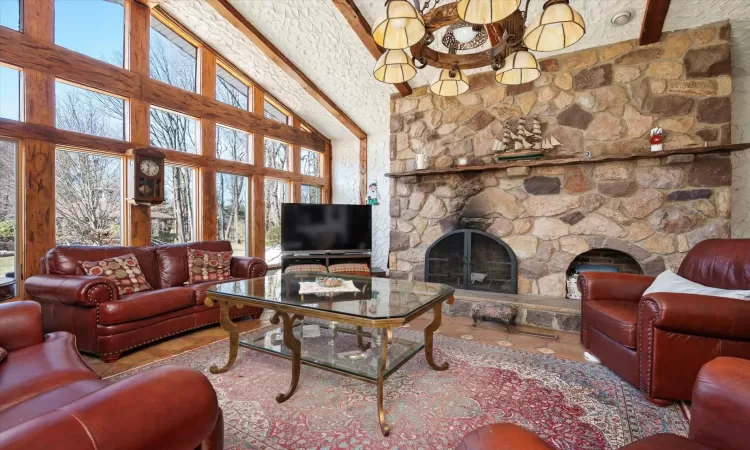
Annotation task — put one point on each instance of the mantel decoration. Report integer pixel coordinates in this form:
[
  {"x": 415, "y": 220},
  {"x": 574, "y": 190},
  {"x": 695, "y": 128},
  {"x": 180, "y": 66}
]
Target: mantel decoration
[
  {"x": 468, "y": 24},
  {"x": 523, "y": 144}
]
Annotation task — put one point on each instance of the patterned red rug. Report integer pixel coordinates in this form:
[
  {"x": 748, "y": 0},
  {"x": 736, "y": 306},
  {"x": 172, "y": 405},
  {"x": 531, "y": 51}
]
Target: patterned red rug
[{"x": 571, "y": 405}]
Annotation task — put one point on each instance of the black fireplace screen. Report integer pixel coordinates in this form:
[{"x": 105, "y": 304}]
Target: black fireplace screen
[{"x": 472, "y": 259}]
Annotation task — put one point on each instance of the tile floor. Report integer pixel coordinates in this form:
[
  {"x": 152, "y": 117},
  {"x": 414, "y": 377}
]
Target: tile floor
[{"x": 567, "y": 346}]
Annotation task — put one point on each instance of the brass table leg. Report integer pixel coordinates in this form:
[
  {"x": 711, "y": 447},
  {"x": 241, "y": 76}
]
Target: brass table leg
[
  {"x": 231, "y": 328},
  {"x": 385, "y": 339},
  {"x": 295, "y": 346},
  {"x": 360, "y": 341},
  {"x": 428, "y": 333}
]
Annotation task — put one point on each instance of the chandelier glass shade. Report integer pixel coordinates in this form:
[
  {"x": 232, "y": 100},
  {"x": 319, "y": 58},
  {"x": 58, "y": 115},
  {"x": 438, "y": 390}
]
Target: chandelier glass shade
[
  {"x": 519, "y": 67},
  {"x": 486, "y": 11},
  {"x": 402, "y": 27},
  {"x": 556, "y": 27},
  {"x": 395, "y": 66},
  {"x": 449, "y": 83}
]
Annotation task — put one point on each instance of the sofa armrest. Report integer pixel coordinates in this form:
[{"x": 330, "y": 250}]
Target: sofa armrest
[
  {"x": 77, "y": 290},
  {"x": 20, "y": 325},
  {"x": 700, "y": 315},
  {"x": 613, "y": 286},
  {"x": 168, "y": 408},
  {"x": 502, "y": 436},
  {"x": 248, "y": 267},
  {"x": 720, "y": 412}
]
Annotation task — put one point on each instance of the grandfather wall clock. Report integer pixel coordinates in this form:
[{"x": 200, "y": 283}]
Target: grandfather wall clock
[{"x": 147, "y": 184}]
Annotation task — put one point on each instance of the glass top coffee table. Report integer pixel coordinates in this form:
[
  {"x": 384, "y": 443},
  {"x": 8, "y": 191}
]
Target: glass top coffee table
[{"x": 324, "y": 327}]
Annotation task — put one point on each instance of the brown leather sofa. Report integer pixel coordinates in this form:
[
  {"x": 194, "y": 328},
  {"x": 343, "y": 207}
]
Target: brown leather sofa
[
  {"x": 50, "y": 399},
  {"x": 720, "y": 418},
  {"x": 106, "y": 324},
  {"x": 659, "y": 342}
]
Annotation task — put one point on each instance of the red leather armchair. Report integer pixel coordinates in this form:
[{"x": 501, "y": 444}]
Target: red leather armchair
[
  {"x": 720, "y": 418},
  {"x": 659, "y": 342},
  {"x": 50, "y": 399},
  {"x": 106, "y": 324}
]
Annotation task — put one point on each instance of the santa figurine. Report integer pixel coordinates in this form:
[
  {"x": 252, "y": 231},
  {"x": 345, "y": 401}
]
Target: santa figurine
[{"x": 657, "y": 139}]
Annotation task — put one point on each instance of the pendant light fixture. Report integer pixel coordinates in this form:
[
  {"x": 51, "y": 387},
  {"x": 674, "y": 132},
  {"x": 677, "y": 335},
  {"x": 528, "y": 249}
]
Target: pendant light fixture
[
  {"x": 556, "y": 27},
  {"x": 394, "y": 66},
  {"x": 449, "y": 83},
  {"x": 519, "y": 67},
  {"x": 486, "y": 11},
  {"x": 402, "y": 27}
]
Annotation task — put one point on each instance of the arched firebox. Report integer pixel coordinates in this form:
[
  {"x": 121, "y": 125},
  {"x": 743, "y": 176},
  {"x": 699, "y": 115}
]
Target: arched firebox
[
  {"x": 598, "y": 260},
  {"x": 472, "y": 259}
]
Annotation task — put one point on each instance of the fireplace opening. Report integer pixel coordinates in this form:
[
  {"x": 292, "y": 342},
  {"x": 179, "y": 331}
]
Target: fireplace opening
[
  {"x": 598, "y": 260},
  {"x": 472, "y": 259}
]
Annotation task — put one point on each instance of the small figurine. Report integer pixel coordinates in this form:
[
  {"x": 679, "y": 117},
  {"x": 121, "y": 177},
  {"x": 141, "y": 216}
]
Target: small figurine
[
  {"x": 373, "y": 197},
  {"x": 657, "y": 139}
]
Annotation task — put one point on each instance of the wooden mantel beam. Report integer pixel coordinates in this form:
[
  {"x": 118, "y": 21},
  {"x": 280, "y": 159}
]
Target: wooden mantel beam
[
  {"x": 363, "y": 30},
  {"x": 653, "y": 21},
  {"x": 239, "y": 21}
]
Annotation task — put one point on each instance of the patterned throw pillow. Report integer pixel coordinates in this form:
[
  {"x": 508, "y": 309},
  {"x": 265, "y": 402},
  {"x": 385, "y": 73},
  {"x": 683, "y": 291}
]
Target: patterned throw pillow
[
  {"x": 350, "y": 269},
  {"x": 3, "y": 354},
  {"x": 306, "y": 268},
  {"x": 123, "y": 270},
  {"x": 208, "y": 266}
]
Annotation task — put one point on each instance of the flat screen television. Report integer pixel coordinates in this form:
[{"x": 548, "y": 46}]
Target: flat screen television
[{"x": 313, "y": 228}]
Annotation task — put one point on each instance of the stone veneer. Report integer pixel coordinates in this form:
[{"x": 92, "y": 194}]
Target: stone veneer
[{"x": 603, "y": 101}]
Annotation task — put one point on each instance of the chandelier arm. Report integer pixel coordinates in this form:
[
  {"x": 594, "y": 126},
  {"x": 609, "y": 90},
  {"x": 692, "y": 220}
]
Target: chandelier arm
[{"x": 526, "y": 10}]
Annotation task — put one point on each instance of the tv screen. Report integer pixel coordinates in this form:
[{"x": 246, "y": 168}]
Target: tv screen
[{"x": 307, "y": 227}]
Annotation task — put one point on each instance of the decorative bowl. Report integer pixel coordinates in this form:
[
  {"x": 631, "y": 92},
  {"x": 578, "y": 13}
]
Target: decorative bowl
[{"x": 329, "y": 282}]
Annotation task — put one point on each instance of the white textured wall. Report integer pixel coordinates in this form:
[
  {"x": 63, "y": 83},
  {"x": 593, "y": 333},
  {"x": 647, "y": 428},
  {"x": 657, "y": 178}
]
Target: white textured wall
[
  {"x": 345, "y": 170},
  {"x": 378, "y": 162}
]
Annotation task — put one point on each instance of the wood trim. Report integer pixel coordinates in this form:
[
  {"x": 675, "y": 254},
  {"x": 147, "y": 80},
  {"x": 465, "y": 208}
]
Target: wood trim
[
  {"x": 207, "y": 205},
  {"x": 653, "y": 21},
  {"x": 352, "y": 14},
  {"x": 258, "y": 246},
  {"x": 328, "y": 173},
  {"x": 296, "y": 165},
  {"x": 363, "y": 170},
  {"x": 226, "y": 10}
]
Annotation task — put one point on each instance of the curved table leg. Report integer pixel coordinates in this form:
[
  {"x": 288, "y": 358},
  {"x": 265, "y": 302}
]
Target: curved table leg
[
  {"x": 360, "y": 340},
  {"x": 295, "y": 346},
  {"x": 428, "y": 334},
  {"x": 385, "y": 340},
  {"x": 234, "y": 334}
]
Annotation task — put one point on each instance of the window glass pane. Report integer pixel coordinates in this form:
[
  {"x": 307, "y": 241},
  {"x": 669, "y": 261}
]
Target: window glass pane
[
  {"x": 277, "y": 154},
  {"x": 276, "y": 193},
  {"x": 88, "y": 193},
  {"x": 309, "y": 162},
  {"x": 173, "y": 221},
  {"x": 234, "y": 145},
  {"x": 231, "y": 198},
  {"x": 173, "y": 131},
  {"x": 90, "y": 112},
  {"x": 8, "y": 223},
  {"x": 231, "y": 90},
  {"x": 172, "y": 59},
  {"x": 310, "y": 194},
  {"x": 10, "y": 92},
  {"x": 10, "y": 14},
  {"x": 93, "y": 27},
  {"x": 274, "y": 113}
]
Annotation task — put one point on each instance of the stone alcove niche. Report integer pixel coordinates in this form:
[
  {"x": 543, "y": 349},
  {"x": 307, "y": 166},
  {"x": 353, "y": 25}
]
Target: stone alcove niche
[{"x": 599, "y": 260}]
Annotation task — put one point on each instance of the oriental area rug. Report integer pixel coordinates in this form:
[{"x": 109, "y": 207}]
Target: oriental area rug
[{"x": 569, "y": 404}]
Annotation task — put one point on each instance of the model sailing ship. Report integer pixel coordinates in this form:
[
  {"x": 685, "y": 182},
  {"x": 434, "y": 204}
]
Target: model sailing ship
[{"x": 523, "y": 144}]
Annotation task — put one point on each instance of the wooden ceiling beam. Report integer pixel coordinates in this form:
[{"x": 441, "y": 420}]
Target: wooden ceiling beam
[
  {"x": 653, "y": 21},
  {"x": 363, "y": 30},
  {"x": 239, "y": 21}
]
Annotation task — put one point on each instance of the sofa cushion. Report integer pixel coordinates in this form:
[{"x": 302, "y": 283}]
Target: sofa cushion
[
  {"x": 66, "y": 260},
  {"x": 123, "y": 270},
  {"x": 617, "y": 320},
  {"x": 173, "y": 260},
  {"x": 41, "y": 368},
  {"x": 306, "y": 268},
  {"x": 143, "y": 305},
  {"x": 350, "y": 268},
  {"x": 205, "y": 266}
]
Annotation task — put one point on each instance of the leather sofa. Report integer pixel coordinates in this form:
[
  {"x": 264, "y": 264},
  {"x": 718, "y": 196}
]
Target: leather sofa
[
  {"x": 720, "y": 418},
  {"x": 106, "y": 324},
  {"x": 50, "y": 399},
  {"x": 659, "y": 342}
]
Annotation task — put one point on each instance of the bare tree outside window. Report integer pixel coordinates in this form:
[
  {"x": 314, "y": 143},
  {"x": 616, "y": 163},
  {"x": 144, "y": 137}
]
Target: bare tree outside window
[
  {"x": 310, "y": 194},
  {"x": 272, "y": 112},
  {"x": 276, "y": 154},
  {"x": 231, "y": 198},
  {"x": 231, "y": 90},
  {"x": 173, "y": 221},
  {"x": 172, "y": 59},
  {"x": 309, "y": 162},
  {"x": 173, "y": 131},
  {"x": 276, "y": 193},
  {"x": 89, "y": 112},
  {"x": 234, "y": 145}
]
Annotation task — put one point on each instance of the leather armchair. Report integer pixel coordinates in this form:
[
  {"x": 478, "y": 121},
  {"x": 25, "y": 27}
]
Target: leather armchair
[
  {"x": 659, "y": 342},
  {"x": 720, "y": 417}
]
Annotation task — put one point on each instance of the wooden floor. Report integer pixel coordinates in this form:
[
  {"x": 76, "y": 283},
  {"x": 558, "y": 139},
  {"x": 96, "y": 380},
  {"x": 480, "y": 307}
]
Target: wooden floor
[{"x": 567, "y": 346}]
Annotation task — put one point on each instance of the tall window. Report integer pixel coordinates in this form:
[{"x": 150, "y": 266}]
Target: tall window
[
  {"x": 310, "y": 194},
  {"x": 10, "y": 90},
  {"x": 276, "y": 154},
  {"x": 271, "y": 111},
  {"x": 10, "y": 14},
  {"x": 90, "y": 112},
  {"x": 231, "y": 90},
  {"x": 93, "y": 27},
  {"x": 173, "y": 130},
  {"x": 174, "y": 220},
  {"x": 172, "y": 59},
  {"x": 88, "y": 193},
  {"x": 8, "y": 218},
  {"x": 231, "y": 198},
  {"x": 276, "y": 193},
  {"x": 309, "y": 162},
  {"x": 234, "y": 145}
]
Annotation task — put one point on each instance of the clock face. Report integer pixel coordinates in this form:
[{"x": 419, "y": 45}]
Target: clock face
[{"x": 149, "y": 167}]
